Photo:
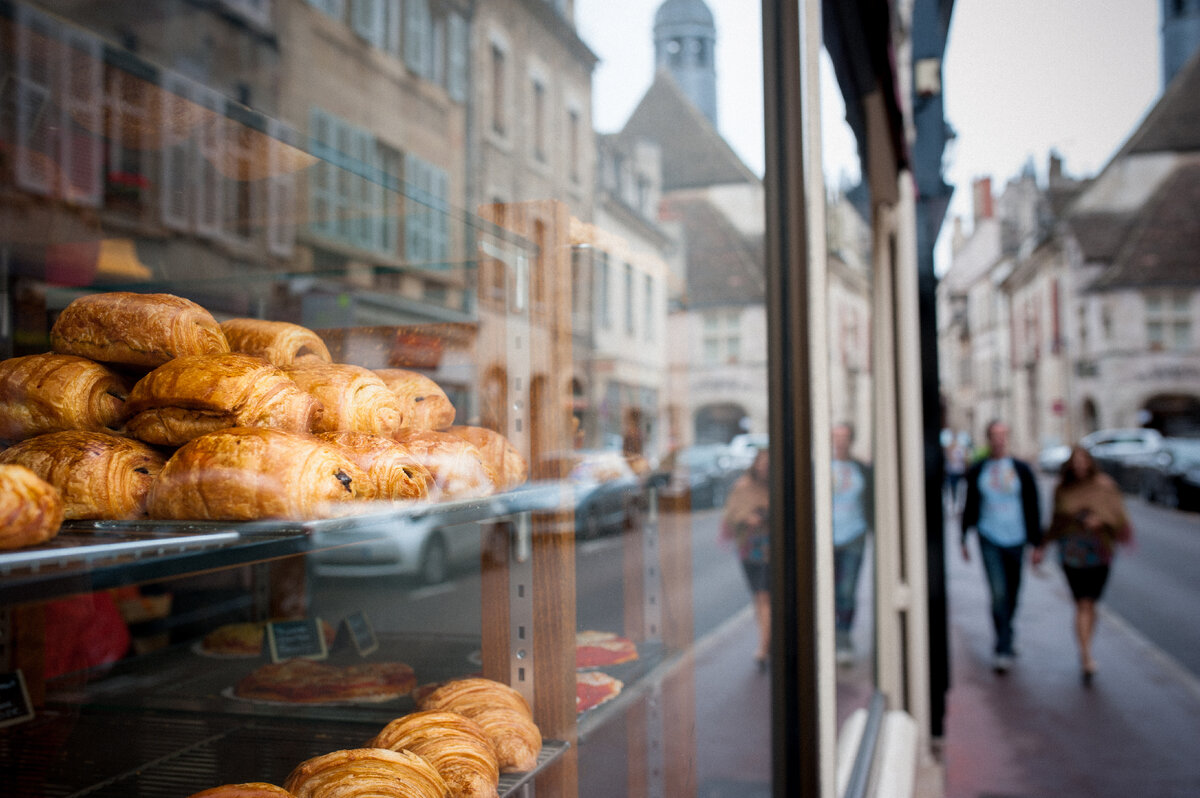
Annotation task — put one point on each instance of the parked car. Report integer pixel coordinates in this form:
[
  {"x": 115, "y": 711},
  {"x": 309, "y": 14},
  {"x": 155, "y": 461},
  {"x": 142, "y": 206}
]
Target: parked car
[
  {"x": 601, "y": 485},
  {"x": 1171, "y": 477},
  {"x": 1051, "y": 458},
  {"x": 1119, "y": 452},
  {"x": 744, "y": 447},
  {"x": 699, "y": 475}
]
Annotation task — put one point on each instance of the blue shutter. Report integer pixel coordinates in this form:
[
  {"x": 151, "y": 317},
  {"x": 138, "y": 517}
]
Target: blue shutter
[
  {"x": 458, "y": 55},
  {"x": 366, "y": 17}
]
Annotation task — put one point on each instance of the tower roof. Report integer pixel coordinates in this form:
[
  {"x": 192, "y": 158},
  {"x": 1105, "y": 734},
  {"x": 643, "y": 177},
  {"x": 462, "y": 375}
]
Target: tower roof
[{"x": 683, "y": 12}]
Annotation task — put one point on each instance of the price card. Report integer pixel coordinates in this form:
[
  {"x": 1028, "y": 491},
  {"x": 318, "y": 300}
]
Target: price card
[
  {"x": 291, "y": 639},
  {"x": 15, "y": 706},
  {"x": 362, "y": 634}
]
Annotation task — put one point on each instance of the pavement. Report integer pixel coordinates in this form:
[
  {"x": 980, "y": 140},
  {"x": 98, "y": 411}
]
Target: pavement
[{"x": 1037, "y": 731}]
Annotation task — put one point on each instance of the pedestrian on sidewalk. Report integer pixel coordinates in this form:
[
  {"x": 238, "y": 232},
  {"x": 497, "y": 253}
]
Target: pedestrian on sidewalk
[
  {"x": 746, "y": 523},
  {"x": 1002, "y": 506},
  {"x": 853, "y": 511},
  {"x": 1089, "y": 521}
]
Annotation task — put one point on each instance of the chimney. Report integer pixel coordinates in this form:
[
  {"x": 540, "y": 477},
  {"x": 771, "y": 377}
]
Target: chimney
[
  {"x": 1055, "y": 174},
  {"x": 983, "y": 198}
]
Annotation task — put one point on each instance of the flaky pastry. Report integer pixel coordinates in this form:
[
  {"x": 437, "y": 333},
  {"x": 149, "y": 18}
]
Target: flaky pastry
[
  {"x": 197, "y": 394},
  {"x": 98, "y": 475},
  {"x": 51, "y": 392},
  {"x": 453, "y": 743},
  {"x": 280, "y": 343},
  {"x": 353, "y": 397},
  {"x": 498, "y": 453},
  {"x": 250, "y": 473},
  {"x": 502, "y": 713},
  {"x": 140, "y": 330},
  {"x": 458, "y": 468},
  {"x": 31, "y": 510},
  {"x": 252, "y": 789},
  {"x": 392, "y": 468},
  {"x": 366, "y": 773},
  {"x": 423, "y": 403}
]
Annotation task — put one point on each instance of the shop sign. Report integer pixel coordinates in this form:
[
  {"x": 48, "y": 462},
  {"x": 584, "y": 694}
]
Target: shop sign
[
  {"x": 291, "y": 639},
  {"x": 15, "y": 706}
]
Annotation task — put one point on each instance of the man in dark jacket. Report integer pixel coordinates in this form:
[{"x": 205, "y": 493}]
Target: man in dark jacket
[{"x": 1002, "y": 506}]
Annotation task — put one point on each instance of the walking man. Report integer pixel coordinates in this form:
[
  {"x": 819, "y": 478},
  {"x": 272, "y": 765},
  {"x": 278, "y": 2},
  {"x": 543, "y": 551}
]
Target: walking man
[{"x": 1002, "y": 506}]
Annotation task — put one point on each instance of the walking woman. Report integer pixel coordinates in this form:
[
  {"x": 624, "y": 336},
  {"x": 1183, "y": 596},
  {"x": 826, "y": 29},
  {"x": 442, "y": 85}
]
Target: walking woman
[
  {"x": 746, "y": 522},
  {"x": 1089, "y": 521}
]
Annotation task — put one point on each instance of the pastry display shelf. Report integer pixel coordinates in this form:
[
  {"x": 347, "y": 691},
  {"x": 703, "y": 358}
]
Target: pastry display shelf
[
  {"x": 97, "y": 555},
  {"x": 66, "y": 754}
]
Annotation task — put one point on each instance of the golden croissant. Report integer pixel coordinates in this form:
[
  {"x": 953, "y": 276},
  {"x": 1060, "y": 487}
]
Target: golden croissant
[
  {"x": 353, "y": 397},
  {"x": 31, "y": 510},
  {"x": 423, "y": 403},
  {"x": 250, "y": 473},
  {"x": 140, "y": 330},
  {"x": 392, "y": 468},
  {"x": 197, "y": 394},
  {"x": 280, "y": 343},
  {"x": 502, "y": 713},
  {"x": 498, "y": 453},
  {"x": 253, "y": 789},
  {"x": 453, "y": 743},
  {"x": 366, "y": 773},
  {"x": 49, "y": 392},
  {"x": 458, "y": 468},
  {"x": 98, "y": 475}
]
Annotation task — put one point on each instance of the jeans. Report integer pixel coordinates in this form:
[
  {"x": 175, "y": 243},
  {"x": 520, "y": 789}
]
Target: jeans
[
  {"x": 847, "y": 560},
  {"x": 1002, "y": 565}
]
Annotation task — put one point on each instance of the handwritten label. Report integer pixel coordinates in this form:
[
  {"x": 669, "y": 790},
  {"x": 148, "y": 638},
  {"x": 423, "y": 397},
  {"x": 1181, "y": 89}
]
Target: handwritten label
[
  {"x": 362, "y": 634},
  {"x": 291, "y": 639},
  {"x": 15, "y": 706}
]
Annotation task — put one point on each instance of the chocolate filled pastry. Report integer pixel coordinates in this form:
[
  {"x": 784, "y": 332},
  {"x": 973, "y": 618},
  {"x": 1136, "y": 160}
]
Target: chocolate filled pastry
[
  {"x": 423, "y": 404},
  {"x": 392, "y": 468},
  {"x": 280, "y": 343},
  {"x": 366, "y": 773},
  {"x": 138, "y": 330},
  {"x": 459, "y": 470},
  {"x": 31, "y": 510},
  {"x": 49, "y": 392},
  {"x": 354, "y": 398},
  {"x": 498, "y": 453},
  {"x": 500, "y": 711},
  {"x": 98, "y": 475},
  {"x": 252, "y": 789},
  {"x": 251, "y": 473},
  {"x": 454, "y": 744},
  {"x": 198, "y": 394}
]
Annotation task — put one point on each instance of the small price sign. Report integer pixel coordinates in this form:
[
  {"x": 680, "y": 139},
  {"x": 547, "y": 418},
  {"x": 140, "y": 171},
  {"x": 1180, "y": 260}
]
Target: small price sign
[
  {"x": 15, "y": 706},
  {"x": 362, "y": 634},
  {"x": 292, "y": 639}
]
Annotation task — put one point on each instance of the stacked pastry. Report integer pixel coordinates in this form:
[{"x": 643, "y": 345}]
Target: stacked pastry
[
  {"x": 455, "y": 745},
  {"x": 500, "y": 711},
  {"x": 148, "y": 407}
]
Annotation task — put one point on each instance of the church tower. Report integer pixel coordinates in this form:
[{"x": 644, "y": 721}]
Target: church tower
[
  {"x": 685, "y": 38},
  {"x": 1180, "y": 35}
]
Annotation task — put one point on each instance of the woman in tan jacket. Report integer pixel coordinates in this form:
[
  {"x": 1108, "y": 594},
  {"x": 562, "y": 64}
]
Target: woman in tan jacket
[
  {"x": 745, "y": 521},
  {"x": 1089, "y": 521}
]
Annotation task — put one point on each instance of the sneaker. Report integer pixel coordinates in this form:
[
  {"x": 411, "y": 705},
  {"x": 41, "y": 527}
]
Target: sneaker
[{"x": 1002, "y": 663}]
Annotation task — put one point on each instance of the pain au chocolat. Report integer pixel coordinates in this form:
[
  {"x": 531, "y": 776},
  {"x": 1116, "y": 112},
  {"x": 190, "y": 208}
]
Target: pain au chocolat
[
  {"x": 354, "y": 398},
  {"x": 136, "y": 330},
  {"x": 197, "y": 394},
  {"x": 453, "y": 743},
  {"x": 280, "y": 343},
  {"x": 392, "y": 468},
  {"x": 498, "y": 453},
  {"x": 423, "y": 403},
  {"x": 52, "y": 392},
  {"x": 459, "y": 470},
  {"x": 31, "y": 510},
  {"x": 98, "y": 475},
  {"x": 366, "y": 773},
  {"x": 252, "y": 473}
]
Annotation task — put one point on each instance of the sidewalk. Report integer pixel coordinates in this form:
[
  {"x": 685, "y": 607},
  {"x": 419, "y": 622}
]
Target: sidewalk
[{"x": 1037, "y": 731}]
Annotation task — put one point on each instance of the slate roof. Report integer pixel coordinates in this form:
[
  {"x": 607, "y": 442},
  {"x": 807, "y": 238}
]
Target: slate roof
[
  {"x": 724, "y": 267},
  {"x": 694, "y": 155},
  {"x": 1173, "y": 124},
  {"x": 1100, "y": 234}
]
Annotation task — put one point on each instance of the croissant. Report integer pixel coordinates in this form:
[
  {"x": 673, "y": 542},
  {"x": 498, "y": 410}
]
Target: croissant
[
  {"x": 423, "y": 404},
  {"x": 459, "y": 470},
  {"x": 475, "y": 694},
  {"x": 392, "y": 468},
  {"x": 516, "y": 738},
  {"x": 454, "y": 744},
  {"x": 197, "y": 394},
  {"x": 49, "y": 392},
  {"x": 253, "y": 789},
  {"x": 31, "y": 510},
  {"x": 142, "y": 330},
  {"x": 353, "y": 397},
  {"x": 498, "y": 453},
  {"x": 98, "y": 475},
  {"x": 366, "y": 773},
  {"x": 281, "y": 343},
  {"x": 250, "y": 473}
]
